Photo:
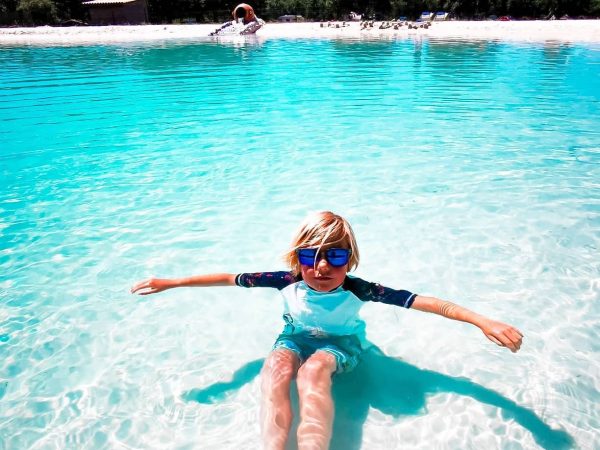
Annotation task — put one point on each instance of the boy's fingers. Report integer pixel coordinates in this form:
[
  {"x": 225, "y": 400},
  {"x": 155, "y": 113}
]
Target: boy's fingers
[
  {"x": 515, "y": 336},
  {"x": 510, "y": 338},
  {"x": 137, "y": 286},
  {"x": 511, "y": 343},
  {"x": 520, "y": 334},
  {"x": 142, "y": 288},
  {"x": 503, "y": 340},
  {"x": 141, "y": 285},
  {"x": 506, "y": 342},
  {"x": 494, "y": 340},
  {"x": 149, "y": 291}
]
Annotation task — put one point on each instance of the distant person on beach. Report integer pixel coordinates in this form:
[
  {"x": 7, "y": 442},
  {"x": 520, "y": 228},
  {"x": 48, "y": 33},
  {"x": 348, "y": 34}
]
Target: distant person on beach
[
  {"x": 323, "y": 334},
  {"x": 244, "y": 22}
]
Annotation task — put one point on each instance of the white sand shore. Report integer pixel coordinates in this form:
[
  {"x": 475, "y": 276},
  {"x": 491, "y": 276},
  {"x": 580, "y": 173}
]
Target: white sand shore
[{"x": 584, "y": 31}]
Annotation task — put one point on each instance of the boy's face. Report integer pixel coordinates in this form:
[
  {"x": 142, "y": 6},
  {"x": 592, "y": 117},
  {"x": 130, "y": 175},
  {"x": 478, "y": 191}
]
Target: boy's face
[{"x": 323, "y": 277}]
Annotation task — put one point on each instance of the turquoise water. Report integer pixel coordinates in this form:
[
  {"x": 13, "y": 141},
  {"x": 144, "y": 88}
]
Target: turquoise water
[{"x": 469, "y": 170}]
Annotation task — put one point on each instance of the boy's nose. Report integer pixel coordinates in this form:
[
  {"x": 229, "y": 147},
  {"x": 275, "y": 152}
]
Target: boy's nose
[{"x": 322, "y": 262}]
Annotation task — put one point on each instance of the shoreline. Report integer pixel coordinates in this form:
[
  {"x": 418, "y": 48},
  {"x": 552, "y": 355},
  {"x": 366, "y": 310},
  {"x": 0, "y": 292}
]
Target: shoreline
[{"x": 567, "y": 31}]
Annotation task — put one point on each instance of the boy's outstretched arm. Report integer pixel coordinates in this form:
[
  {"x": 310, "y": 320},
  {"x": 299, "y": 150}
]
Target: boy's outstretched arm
[
  {"x": 500, "y": 333},
  {"x": 154, "y": 285}
]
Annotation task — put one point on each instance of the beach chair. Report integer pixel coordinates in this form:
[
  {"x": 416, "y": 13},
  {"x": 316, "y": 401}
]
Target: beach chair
[
  {"x": 441, "y": 16},
  {"x": 426, "y": 16}
]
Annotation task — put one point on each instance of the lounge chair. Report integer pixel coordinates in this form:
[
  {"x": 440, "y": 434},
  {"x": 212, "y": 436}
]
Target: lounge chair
[
  {"x": 441, "y": 15},
  {"x": 426, "y": 16}
]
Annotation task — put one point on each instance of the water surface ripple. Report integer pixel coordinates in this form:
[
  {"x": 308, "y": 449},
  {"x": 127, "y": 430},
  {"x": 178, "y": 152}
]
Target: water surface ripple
[{"x": 470, "y": 171}]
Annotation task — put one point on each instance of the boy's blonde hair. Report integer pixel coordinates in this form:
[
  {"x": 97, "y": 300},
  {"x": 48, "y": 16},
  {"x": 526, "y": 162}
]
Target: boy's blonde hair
[{"x": 323, "y": 229}]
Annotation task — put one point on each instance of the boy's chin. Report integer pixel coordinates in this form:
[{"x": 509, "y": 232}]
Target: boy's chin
[{"x": 325, "y": 286}]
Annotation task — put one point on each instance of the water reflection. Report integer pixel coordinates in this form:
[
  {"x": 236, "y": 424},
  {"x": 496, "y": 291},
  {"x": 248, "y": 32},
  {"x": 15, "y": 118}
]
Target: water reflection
[{"x": 396, "y": 388}]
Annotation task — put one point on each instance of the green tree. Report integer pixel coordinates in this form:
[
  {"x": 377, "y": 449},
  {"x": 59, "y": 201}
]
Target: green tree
[
  {"x": 398, "y": 8},
  {"x": 7, "y": 11},
  {"x": 37, "y": 12}
]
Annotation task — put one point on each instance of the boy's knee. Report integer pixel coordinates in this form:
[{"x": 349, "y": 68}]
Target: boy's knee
[
  {"x": 317, "y": 370},
  {"x": 280, "y": 366}
]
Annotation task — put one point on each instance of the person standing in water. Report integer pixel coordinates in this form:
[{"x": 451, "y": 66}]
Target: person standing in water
[
  {"x": 243, "y": 15},
  {"x": 323, "y": 334}
]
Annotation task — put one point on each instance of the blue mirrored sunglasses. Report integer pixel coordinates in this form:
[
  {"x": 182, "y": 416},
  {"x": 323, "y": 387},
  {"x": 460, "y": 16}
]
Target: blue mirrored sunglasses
[{"x": 336, "y": 257}]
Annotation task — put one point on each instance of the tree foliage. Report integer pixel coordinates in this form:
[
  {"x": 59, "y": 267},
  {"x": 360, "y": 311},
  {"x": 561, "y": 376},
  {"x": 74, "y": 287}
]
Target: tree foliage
[{"x": 37, "y": 12}]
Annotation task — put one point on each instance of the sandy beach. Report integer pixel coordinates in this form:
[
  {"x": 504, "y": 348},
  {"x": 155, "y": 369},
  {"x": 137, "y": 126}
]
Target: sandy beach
[{"x": 583, "y": 31}]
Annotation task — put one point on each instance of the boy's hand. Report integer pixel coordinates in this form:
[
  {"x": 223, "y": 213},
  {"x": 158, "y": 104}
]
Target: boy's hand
[
  {"x": 502, "y": 334},
  {"x": 151, "y": 286}
]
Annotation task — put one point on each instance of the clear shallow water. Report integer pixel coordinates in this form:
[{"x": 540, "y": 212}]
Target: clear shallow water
[{"x": 469, "y": 171}]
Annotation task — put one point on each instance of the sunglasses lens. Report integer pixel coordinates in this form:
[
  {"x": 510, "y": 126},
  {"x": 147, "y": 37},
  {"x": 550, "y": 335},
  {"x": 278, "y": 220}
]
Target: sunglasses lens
[
  {"x": 306, "y": 256},
  {"x": 337, "y": 257}
]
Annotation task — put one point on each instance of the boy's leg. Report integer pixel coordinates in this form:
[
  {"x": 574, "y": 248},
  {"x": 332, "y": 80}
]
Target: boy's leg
[
  {"x": 276, "y": 410},
  {"x": 316, "y": 404}
]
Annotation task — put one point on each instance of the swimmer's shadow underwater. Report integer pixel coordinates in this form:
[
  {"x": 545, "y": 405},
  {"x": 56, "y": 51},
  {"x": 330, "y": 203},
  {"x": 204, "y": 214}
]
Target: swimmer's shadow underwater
[{"x": 393, "y": 387}]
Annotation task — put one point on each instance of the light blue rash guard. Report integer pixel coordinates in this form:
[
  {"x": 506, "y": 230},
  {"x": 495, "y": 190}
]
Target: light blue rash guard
[{"x": 321, "y": 314}]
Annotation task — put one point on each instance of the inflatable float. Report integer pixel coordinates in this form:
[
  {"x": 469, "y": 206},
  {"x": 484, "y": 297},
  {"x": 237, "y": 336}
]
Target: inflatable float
[{"x": 244, "y": 22}]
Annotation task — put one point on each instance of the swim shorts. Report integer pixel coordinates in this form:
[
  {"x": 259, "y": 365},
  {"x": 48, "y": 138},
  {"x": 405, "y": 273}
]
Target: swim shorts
[{"x": 346, "y": 349}]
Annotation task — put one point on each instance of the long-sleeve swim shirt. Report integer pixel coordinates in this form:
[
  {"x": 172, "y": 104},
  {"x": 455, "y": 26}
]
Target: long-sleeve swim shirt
[{"x": 325, "y": 313}]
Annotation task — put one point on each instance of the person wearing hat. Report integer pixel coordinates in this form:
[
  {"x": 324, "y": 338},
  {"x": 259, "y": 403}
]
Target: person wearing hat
[{"x": 243, "y": 15}]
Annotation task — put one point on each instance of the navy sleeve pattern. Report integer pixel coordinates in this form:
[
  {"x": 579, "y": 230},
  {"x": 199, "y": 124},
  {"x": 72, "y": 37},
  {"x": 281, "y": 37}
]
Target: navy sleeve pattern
[
  {"x": 374, "y": 292},
  {"x": 277, "y": 280}
]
